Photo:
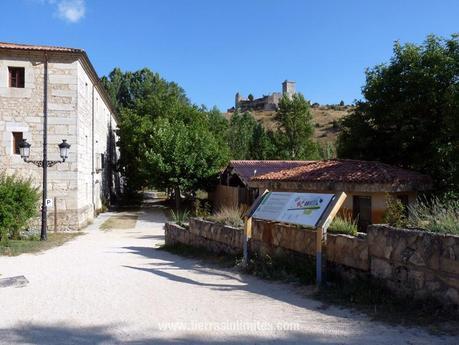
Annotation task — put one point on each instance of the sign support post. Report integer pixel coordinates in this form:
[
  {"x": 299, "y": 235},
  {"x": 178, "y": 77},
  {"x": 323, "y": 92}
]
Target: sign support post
[
  {"x": 248, "y": 227},
  {"x": 321, "y": 233},
  {"x": 247, "y": 236}
]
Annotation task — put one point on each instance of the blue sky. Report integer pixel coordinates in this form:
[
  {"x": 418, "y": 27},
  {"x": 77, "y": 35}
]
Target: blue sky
[{"x": 214, "y": 48}]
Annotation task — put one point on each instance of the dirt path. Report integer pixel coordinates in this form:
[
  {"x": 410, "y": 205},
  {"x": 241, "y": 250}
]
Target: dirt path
[{"x": 113, "y": 287}]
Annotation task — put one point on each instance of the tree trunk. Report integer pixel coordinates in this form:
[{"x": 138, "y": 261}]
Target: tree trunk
[{"x": 177, "y": 197}]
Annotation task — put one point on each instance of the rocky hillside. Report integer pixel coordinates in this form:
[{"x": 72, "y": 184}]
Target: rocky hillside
[{"x": 325, "y": 120}]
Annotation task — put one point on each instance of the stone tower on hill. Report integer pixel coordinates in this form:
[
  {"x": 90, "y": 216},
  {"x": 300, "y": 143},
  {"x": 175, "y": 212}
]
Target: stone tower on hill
[
  {"x": 288, "y": 88},
  {"x": 267, "y": 102}
]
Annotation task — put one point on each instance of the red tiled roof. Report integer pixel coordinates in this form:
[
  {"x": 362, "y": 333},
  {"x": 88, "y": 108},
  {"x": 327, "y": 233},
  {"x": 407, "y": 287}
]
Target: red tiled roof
[
  {"x": 6, "y": 45},
  {"x": 346, "y": 171},
  {"x": 247, "y": 169}
]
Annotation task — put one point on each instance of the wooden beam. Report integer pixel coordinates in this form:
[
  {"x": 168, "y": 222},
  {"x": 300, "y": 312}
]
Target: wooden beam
[{"x": 321, "y": 233}]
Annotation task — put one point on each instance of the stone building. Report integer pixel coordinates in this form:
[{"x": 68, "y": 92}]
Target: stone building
[
  {"x": 79, "y": 111},
  {"x": 267, "y": 102}
]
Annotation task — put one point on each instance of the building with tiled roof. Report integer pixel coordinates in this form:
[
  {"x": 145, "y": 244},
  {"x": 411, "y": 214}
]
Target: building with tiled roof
[
  {"x": 366, "y": 183},
  {"x": 61, "y": 82}
]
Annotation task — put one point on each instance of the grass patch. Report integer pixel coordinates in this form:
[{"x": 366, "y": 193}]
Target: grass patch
[
  {"x": 436, "y": 215},
  {"x": 18, "y": 247},
  {"x": 180, "y": 217},
  {"x": 202, "y": 254},
  {"x": 231, "y": 216},
  {"x": 120, "y": 222},
  {"x": 343, "y": 225}
]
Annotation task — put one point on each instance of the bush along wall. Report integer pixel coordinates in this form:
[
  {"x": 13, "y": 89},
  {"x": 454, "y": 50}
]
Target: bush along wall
[{"x": 19, "y": 202}]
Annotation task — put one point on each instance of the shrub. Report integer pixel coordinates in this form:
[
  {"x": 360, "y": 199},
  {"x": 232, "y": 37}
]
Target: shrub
[
  {"x": 229, "y": 216},
  {"x": 395, "y": 213},
  {"x": 436, "y": 215},
  {"x": 202, "y": 208},
  {"x": 344, "y": 225},
  {"x": 180, "y": 217},
  {"x": 18, "y": 204}
]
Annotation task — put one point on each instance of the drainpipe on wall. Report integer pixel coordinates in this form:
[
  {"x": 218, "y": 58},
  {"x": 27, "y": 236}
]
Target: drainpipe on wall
[{"x": 92, "y": 155}]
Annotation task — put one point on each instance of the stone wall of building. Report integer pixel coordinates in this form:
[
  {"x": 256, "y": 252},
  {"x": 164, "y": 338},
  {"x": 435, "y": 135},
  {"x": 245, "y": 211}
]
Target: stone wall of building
[
  {"x": 70, "y": 105},
  {"x": 410, "y": 263},
  {"x": 96, "y": 138}
]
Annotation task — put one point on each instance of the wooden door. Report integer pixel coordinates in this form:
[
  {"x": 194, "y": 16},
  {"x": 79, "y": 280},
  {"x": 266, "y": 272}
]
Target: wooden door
[{"x": 362, "y": 211}]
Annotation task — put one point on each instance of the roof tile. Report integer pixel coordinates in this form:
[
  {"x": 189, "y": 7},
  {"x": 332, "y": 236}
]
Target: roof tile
[
  {"x": 6, "y": 45},
  {"x": 345, "y": 171}
]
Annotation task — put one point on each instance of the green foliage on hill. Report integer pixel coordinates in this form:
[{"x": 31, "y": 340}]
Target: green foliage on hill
[
  {"x": 292, "y": 139},
  {"x": 410, "y": 113}
]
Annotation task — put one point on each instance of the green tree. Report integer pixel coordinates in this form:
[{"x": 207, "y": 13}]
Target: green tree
[
  {"x": 165, "y": 141},
  {"x": 250, "y": 97},
  {"x": 240, "y": 133},
  {"x": 294, "y": 137},
  {"x": 262, "y": 145},
  {"x": 143, "y": 89},
  {"x": 219, "y": 125},
  {"x": 184, "y": 155},
  {"x": 410, "y": 113}
]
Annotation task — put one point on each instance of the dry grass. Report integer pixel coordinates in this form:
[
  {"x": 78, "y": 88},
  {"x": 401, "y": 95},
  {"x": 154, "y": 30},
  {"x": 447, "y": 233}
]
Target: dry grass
[
  {"x": 231, "y": 216},
  {"x": 18, "y": 247},
  {"x": 119, "y": 222},
  {"x": 324, "y": 118}
]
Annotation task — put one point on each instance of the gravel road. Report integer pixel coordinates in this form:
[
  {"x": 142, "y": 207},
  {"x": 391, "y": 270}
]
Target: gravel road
[{"x": 114, "y": 287}]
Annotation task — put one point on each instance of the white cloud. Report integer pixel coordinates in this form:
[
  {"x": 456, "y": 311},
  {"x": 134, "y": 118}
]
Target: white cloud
[{"x": 70, "y": 10}]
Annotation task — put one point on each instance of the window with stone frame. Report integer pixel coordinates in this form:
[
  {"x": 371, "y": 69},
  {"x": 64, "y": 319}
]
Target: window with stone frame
[
  {"x": 16, "y": 76},
  {"x": 17, "y": 138}
]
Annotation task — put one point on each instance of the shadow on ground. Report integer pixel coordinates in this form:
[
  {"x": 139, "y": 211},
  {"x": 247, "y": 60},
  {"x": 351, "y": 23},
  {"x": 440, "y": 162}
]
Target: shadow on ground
[
  {"x": 63, "y": 334},
  {"x": 175, "y": 268}
]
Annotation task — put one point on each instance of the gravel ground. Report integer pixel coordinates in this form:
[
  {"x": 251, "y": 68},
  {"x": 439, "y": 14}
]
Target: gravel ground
[{"x": 113, "y": 287}]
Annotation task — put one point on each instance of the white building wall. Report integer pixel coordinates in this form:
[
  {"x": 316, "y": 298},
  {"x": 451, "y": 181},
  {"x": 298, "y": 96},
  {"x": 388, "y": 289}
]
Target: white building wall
[
  {"x": 95, "y": 122},
  {"x": 70, "y": 111}
]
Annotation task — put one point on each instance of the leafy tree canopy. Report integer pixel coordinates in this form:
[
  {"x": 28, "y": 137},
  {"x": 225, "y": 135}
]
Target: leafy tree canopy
[
  {"x": 295, "y": 135},
  {"x": 410, "y": 113},
  {"x": 165, "y": 141}
]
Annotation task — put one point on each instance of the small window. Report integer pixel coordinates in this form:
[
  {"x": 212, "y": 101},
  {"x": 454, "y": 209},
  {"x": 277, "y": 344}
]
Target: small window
[
  {"x": 102, "y": 161},
  {"x": 17, "y": 138},
  {"x": 16, "y": 76}
]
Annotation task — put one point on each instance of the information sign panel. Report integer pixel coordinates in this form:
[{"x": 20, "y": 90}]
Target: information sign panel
[{"x": 304, "y": 209}]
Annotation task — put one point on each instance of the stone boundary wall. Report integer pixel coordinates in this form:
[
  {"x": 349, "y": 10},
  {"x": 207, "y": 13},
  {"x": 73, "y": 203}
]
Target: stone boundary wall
[
  {"x": 410, "y": 263},
  {"x": 215, "y": 237},
  {"x": 415, "y": 263}
]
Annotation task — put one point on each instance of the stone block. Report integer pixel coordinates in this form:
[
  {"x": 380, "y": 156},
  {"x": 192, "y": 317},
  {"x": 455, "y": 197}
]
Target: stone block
[
  {"x": 416, "y": 279},
  {"x": 450, "y": 266},
  {"x": 381, "y": 269}
]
